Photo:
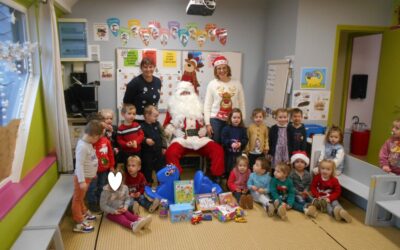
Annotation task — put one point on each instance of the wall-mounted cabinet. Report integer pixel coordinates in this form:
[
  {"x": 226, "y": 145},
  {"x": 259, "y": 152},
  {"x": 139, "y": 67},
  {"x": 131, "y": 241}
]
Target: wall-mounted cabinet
[{"x": 73, "y": 39}]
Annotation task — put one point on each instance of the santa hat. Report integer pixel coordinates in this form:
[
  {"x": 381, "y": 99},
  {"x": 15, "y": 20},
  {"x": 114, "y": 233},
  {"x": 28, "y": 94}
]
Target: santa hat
[
  {"x": 300, "y": 155},
  {"x": 219, "y": 60}
]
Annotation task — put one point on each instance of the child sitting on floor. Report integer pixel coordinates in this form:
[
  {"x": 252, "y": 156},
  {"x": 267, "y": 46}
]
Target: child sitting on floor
[
  {"x": 237, "y": 182},
  {"x": 389, "y": 155},
  {"x": 326, "y": 189},
  {"x": 259, "y": 182},
  {"x": 115, "y": 204},
  {"x": 282, "y": 190}
]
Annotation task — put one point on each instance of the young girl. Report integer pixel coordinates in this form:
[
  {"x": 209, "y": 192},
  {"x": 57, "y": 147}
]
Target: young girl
[
  {"x": 154, "y": 143},
  {"x": 257, "y": 133},
  {"x": 136, "y": 182},
  {"x": 259, "y": 182},
  {"x": 234, "y": 139},
  {"x": 111, "y": 130},
  {"x": 301, "y": 179},
  {"x": 237, "y": 182},
  {"x": 282, "y": 190},
  {"x": 326, "y": 189},
  {"x": 389, "y": 155},
  {"x": 278, "y": 137},
  {"x": 115, "y": 204},
  {"x": 333, "y": 149}
]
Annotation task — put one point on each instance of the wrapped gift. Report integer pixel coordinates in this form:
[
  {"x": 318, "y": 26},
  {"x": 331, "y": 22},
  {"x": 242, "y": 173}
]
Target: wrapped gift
[
  {"x": 181, "y": 212},
  {"x": 226, "y": 213}
]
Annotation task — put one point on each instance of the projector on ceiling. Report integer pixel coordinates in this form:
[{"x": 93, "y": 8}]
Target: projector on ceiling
[{"x": 200, "y": 7}]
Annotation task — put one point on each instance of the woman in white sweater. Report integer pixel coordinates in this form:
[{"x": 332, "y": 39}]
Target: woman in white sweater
[{"x": 223, "y": 94}]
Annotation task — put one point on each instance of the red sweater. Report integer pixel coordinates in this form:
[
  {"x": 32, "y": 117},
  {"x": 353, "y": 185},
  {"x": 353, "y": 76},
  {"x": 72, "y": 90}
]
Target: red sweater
[
  {"x": 105, "y": 154},
  {"x": 330, "y": 189},
  {"x": 127, "y": 133},
  {"x": 135, "y": 184},
  {"x": 238, "y": 180}
]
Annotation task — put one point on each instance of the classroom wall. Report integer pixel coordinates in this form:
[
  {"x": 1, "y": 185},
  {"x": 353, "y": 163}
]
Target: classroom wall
[{"x": 245, "y": 21}]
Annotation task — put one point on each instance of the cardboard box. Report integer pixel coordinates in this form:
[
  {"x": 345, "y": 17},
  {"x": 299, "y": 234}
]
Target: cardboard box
[
  {"x": 180, "y": 212},
  {"x": 226, "y": 213}
]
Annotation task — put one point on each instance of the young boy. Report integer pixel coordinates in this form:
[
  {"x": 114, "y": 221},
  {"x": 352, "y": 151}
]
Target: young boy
[
  {"x": 154, "y": 143},
  {"x": 136, "y": 182},
  {"x": 297, "y": 139},
  {"x": 111, "y": 131},
  {"x": 85, "y": 169},
  {"x": 129, "y": 135}
]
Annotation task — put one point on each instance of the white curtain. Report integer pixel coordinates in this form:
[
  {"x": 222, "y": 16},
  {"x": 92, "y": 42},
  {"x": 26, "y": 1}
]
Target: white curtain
[{"x": 53, "y": 87}]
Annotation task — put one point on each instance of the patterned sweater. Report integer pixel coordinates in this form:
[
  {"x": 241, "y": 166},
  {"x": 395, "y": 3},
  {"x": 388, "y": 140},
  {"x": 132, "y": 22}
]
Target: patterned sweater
[
  {"x": 258, "y": 139},
  {"x": 105, "y": 154},
  {"x": 389, "y": 155},
  {"x": 326, "y": 188},
  {"x": 282, "y": 190},
  {"x": 127, "y": 133}
]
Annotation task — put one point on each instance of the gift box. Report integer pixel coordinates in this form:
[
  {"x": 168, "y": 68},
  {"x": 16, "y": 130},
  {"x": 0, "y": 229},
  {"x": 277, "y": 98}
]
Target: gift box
[
  {"x": 180, "y": 212},
  {"x": 226, "y": 213}
]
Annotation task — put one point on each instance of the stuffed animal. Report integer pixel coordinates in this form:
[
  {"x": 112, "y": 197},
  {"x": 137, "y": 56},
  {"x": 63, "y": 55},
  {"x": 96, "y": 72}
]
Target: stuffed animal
[
  {"x": 166, "y": 177},
  {"x": 189, "y": 74},
  {"x": 203, "y": 184}
]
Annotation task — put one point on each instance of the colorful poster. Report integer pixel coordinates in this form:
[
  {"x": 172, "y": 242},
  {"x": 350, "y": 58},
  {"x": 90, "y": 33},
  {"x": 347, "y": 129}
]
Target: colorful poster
[
  {"x": 173, "y": 27},
  {"x": 100, "y": 32},
  {"x": 114, "y": 24},
  {"x": 154, "y": 27},
  {"x": 164, "y": 36},
  {"x": 169, "y": 59},
  {"x": 192, "y": 29},
  {"x": 106, "y": 71},
  {"x": 313, "y": 78},
  {"x": 124, "y": 35},
  {"x": 134, "y": 26},
  {"x": 222, "y": 35},
  {"x": 131, "y": 58},
  {"x": 201, "y": 37},
  {"x": 168, "y": 84},
  {"x": 183, "y": 36},
  {"x": 211, "y": 28},
  {"x": 151, "y": 54},
  {"x": 314, "y": 104},
  {"x": 145, "y": 36}
]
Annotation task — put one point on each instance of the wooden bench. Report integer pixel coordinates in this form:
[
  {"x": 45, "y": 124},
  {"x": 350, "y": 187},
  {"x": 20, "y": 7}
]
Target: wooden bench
[{"x": 44, "y": 224}]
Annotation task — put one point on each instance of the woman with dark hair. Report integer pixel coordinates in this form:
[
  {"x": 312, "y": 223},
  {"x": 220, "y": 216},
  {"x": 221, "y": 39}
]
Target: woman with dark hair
[{"x": 144, "y": 89}]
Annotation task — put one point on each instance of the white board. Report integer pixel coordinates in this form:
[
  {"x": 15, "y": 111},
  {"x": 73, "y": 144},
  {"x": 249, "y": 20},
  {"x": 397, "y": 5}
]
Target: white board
[{"x": 275, "y": 95}]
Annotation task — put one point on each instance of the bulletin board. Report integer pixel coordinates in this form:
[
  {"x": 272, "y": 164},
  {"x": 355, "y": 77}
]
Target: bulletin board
[{"x": 170, "y": 67}]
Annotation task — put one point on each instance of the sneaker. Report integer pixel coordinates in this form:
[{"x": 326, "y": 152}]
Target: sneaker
[
  {"x": 270, "y": 209},
  {"x": 336, "y": 213},
  {"x": 315, "y": 202},
  {"x": 323, "y": 205},
  {"x": 148, "y": 219},
  {"x": 137, "y": 225},
  {"x": 83, "y": 228},
  {"x": 89, "y": 217},
  {"x": 154, "y": 205},
  {"x": 249, "y": 200},
  {"x": 276, "y": 203},
  {"x": 345, "y": 215},
  {"x": 282, "y": 212},
  {"x": 311, "y": 211}
]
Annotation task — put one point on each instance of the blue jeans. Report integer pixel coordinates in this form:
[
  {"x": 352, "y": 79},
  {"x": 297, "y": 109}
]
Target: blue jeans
[
  {"x": 96, "y": 187},
  {"x": 217, "y": 126},
  {"x": 142, "y": 200},
  {"x": 300, "y": 202}
]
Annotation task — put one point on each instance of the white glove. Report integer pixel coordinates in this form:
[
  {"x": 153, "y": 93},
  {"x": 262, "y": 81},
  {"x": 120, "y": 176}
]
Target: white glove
[{"x": 169, "y": 130}]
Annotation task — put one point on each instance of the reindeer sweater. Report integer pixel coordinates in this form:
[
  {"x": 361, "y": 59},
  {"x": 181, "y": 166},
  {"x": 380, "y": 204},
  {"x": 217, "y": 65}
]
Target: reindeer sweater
[
  {"x": 105, "y": 154},
  {"x": 221, "y": 98}
]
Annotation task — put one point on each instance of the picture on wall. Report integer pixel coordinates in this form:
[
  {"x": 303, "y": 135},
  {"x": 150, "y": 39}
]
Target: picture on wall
[
  {"x": 314, "y": 104},
  {"x": 100, "y": 32},
  {"x": 313, "y": 78},
  {"x": 106, "y": 70}
]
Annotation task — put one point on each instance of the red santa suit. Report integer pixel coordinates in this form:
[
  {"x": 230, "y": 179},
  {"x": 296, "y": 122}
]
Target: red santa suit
[{"x": 185, "y": 121}]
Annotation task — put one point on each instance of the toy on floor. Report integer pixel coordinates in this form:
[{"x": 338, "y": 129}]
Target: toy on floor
[
  {"x": 166, "y": 177},
  {"x": 239, "y": 217},
  {"x": 203, "y": 184},
  {"x": 207, "y": 217},
  {"x": 163, "y": 208},
  {"x": 197, "y": 217}
]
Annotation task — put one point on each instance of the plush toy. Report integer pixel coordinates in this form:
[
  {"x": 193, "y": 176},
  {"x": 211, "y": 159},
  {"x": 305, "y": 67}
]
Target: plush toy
[
  {"x": 203, "y": 184},
  {"x": 189, "y": 74},
  {"x": 166, "y": 177}
]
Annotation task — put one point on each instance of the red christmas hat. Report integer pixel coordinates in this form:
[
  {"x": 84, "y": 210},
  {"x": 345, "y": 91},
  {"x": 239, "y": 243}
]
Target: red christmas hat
[
  {"x": 300, "y": 155},
  {"x": 219, "y": 60}
]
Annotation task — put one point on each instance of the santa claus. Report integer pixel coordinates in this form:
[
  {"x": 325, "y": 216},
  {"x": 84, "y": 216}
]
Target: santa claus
[{"x": 184, "y": 121}]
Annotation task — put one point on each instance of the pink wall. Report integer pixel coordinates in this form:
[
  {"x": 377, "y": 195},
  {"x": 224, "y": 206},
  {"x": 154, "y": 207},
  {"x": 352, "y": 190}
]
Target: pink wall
[{"x": 365, "y": 60}]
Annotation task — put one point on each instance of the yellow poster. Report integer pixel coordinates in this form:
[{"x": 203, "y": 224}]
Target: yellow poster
[{"x": 169, "y": 59}]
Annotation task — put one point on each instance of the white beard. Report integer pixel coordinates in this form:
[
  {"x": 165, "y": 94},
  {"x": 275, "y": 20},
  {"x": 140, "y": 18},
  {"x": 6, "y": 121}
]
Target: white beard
[{"x": 184, "y": 106}]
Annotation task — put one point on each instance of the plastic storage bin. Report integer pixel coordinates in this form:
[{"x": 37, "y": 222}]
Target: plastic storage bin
[{"x": 313, "y": 129}]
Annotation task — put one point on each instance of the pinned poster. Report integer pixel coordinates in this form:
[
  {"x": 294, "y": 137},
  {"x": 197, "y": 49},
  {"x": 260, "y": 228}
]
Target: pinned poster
[
  {"x": 313, "y": 78},
  {"x": 210, "y": 59},
  {"x": 201, "y": 37},
  {"x": 100, "y": 32},
  {"x": 222, "y": 35},
  {"x": 211, "y": 28},
  {"x": 151, "y": 54},
  {"x": 154, "y": 27},
  {"x": 134, "y": 26},
  {"x": 192, "y": 28},
  {"x": 144, "y": 34},
  {"x": 106, "y": 71},
  {"x": 183, "y": 35},
  {"x": 314, "y": 104},
  {"x": 164, "y": 36},
  {"x": 113, "y": 23},
  {"x": 169, "y": 59},
  {"x": 124, "y": 34},
  {"x": 131, "y": 58},
  {"x": 173, "y": 27}
]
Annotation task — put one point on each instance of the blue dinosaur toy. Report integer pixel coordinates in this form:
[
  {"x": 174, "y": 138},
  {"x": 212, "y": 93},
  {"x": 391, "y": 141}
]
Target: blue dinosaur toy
[{"x": 203, "y": 184}]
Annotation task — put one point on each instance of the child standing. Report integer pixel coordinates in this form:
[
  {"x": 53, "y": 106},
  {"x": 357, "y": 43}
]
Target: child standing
[
  {"x": 259, "y": 182},
  {"x": 237, "y": 182},
  {"x": 111, "y": 130},
  {"x": 234, "y": 139},
  {"x": 326, "y": 189},
  {"x": 282, "y": 190},
  {"x": 333, "y": 149},
  {"x": 136, "y": 182},
  {"x": 129, "y": 135},
  {"x": 278, "y": 138},
  {"x": 154, "y": 143},
  {"x": 115, "y": 204},
  {"x": 85, "y": 169},
  {"x": 297, "y": 137},
  {"x": 389, "y": 155},
  {"x": 301, "y": 179},
  {"x": 257, "y": 133}
]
